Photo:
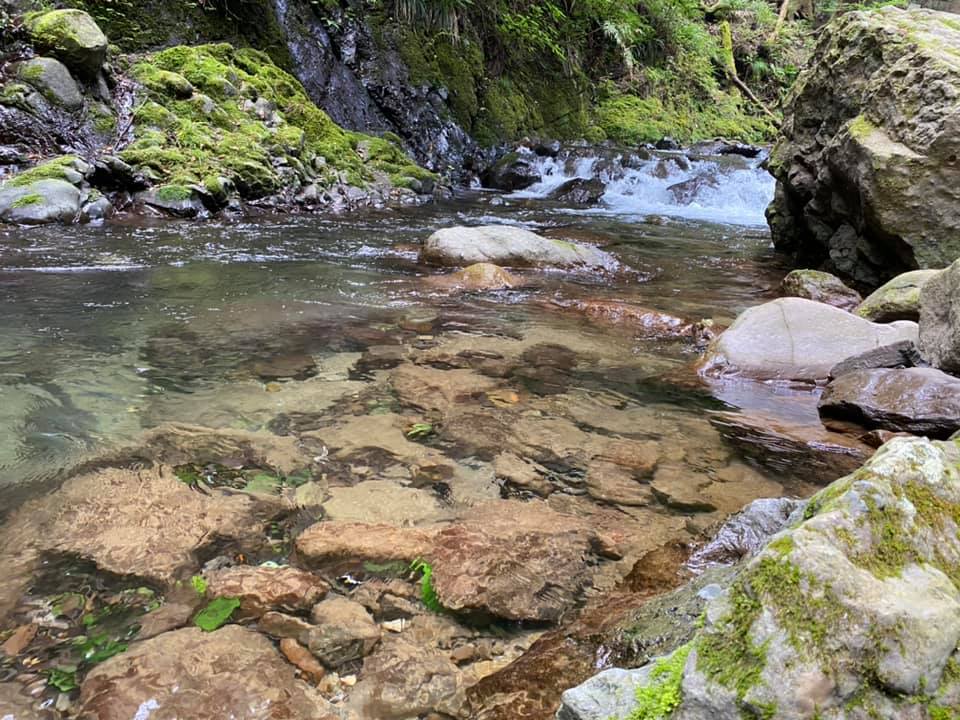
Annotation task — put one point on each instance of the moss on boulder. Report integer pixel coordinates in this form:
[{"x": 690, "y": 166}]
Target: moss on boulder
[
  {"x": 72, "y": 36},
  {"x": 213, "y": 113}
]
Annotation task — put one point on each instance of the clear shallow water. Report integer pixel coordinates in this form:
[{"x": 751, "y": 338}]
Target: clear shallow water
[{"x": 99, "y": 321}]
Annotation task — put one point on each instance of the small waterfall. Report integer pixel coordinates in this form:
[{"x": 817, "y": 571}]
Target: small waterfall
[{"x": 729, "y": 189}]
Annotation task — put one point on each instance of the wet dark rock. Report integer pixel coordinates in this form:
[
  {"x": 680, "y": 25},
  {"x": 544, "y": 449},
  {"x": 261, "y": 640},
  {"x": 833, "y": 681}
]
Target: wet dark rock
[
  {"x": 667, "y": 143},
  {"x": 745, "y": 533},
  {"x": 940, "y": 320},
  {"x": 687, "y": 191},
  {"x": 112, "y": 173},
  {"x": 548, "y": 148},
  {"x": 821, "y": 287},
  {"x": 903, "y": 354},
  {"x": 232, "y": 672},
  {"x": 39, "y": 202},
  {"x": 53, "y": 80},
  {"x": 511, "y": 172},
  {"x": 916, "y": 400},
  {"x": 898, "y": 299},
  {"x": 344, "y": 632},
  {"x": 580, "y": 191},
  {"x": 173, "y": 204},
  {"x": 99, "y": 209},
  {"x": 381, "y": 357},
  {"x": 796, "y": 339}
]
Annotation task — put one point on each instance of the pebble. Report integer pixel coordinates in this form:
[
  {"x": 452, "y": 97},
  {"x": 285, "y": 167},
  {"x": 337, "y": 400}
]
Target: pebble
[{"x": 394, "y": 625}]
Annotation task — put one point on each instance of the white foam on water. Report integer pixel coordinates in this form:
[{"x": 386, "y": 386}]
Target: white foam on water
[{"x": 731, "y": 190}]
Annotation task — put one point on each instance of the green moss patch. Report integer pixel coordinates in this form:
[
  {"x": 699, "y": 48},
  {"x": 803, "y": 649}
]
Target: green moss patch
[
  {"x": 662, "y": 696},
  {"x": 203, "y": 115},
  {"x": 27, "y": 200},
  {"x": 54, "y": 169}
]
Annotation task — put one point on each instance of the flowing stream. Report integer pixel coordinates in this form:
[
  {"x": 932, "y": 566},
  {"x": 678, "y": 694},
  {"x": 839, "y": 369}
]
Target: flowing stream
[{"x": 108, "y": 331}]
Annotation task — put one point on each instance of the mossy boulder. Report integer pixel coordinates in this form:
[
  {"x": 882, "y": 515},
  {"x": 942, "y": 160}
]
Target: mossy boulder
[
  {"x": 72, "y": 36},
  {"x": 868, "y": 184},
  {"x": 853, "y": 612},
  {"x": 898, "y": 299},
  {"x": 54, "y": 81},
  {"x": 202, "y": 120},
  {"x": 820, "y": 287},
  {"x": 39, "y": 202}
]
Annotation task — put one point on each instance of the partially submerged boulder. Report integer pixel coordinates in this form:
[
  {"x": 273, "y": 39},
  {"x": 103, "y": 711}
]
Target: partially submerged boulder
[
  {"x": 852, "y": 613},
  {"x": 796, "y": 339},
  {"x": 820, "y": 287},
  {"x": 940, "y": 319},
  {"x": 867, "y": 186},
  {"x": 916, "y": 400},
  {"x": 72, "y": 36},
  {"x": 513, "y": 171},
  {"x": 898, "y": 299},
  {"x": 510, "y": 246},
  {"x": 480, "y": 277},
  {"x": 580, "y": 191}
]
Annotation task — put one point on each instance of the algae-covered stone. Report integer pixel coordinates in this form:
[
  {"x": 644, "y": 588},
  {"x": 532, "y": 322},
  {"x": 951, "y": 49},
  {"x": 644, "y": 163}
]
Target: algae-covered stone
[
  {"x": 53, "y": 80},
  {"x": 868, "y": 183},
  {"x": 853, "y": 612},
  {"x": 72, "y": 36},
  {"x": 940, "y": 319},
  {"x": 898, "y": 299},
  {"x": 820, "y": 287},
  {"x": 39, "y": 202}
]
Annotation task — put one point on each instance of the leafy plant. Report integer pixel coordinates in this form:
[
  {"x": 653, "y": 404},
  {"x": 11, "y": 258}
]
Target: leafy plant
[
  {"x": 427, "y": 592},
  {"x": 63, "y": 678},
  {"x": 421, "y": 430},
  {"x": 216, "y": 614},
  {"x": 199, "y": 584}
]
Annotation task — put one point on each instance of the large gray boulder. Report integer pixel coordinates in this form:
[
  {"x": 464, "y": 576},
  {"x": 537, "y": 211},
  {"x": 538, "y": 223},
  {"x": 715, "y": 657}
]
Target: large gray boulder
[
  {"x": 72, "y": 36},
  {"x": 868, "y": 185},
  {"x": 898, "y": 299},
  {"x": 940, "y": 320},
  {"x": 510, "y": 246},
  {"x": 53, "y": 80},
  {"x": 916, "y": 400},
  {"x": 39, "y": 202},
  {"x": 852, "y": 612},
  {"x": 796, "y": 339}
]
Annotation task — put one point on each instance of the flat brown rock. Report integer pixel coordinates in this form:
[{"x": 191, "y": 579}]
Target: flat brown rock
[
  {"x": 430, "y": 389},
  {"x": 260, "y": 589},
  {"x": 329, "y": 542},
  {"x": 231, "y": 673}
]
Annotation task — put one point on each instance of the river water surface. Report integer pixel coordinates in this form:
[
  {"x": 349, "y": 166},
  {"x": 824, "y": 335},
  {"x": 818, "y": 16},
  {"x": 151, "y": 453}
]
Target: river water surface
[{"x": 108, "y": 331}]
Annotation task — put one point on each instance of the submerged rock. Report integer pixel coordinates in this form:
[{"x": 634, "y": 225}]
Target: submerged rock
[
  {"x": 898, "y": 299},
  {"x": 39, "y": 202},
  {"x": 796, "y": 339},
  {"x": 867, "y": 186},
  {"x": 260, "y": 589},
  {"x": 924, "y": 401},
  {"x": 479, "y": 277},
  {"x": 940, "y": 319},
  {"x": 510, "y": 246},
  {"x": 854, "y": 612},
  {"x": 230, "y": 673},
  {"x": 344, "y": 632},
  {"x": 821, "y": 287}
]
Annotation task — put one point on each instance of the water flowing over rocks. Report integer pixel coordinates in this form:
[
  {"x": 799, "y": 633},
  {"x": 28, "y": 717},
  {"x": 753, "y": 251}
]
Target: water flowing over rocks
[
  {"x": 796, "y": 339},
  {"x": 511, "y": 247},
  {"x": 866, "y": 184},
  {"x": 853, "y": 611}
]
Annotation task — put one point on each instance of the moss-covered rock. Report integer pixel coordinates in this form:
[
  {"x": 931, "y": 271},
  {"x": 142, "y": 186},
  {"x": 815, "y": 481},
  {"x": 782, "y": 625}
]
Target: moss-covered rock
[
  {"x": 898, "y": 299},
  {"x": 216, "y": 115},
  {"x": 852, "y": 613},
  {"x": 53, "y": 80},
  {"x": 868, "y": 183},
  {"x": 72, "y": 36}
]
